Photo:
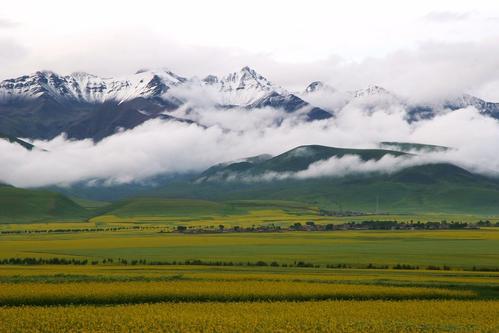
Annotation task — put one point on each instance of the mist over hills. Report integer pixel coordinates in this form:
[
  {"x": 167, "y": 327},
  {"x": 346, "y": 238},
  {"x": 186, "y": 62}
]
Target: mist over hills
[
  {"x": 366, "y": 186},
  {"x": 412, "y": 188},
  {"x": 157, "y": 133}
]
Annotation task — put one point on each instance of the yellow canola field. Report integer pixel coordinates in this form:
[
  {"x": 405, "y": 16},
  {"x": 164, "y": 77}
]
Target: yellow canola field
[
  {"x": 193, "y": 291},
  {"x": 289, "y": 317}
]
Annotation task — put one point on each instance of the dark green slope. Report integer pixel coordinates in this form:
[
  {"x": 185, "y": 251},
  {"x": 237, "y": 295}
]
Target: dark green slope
[
  {"x": 439, "y": 188},
  {"x": 238, "y": 166},
  {"x": 301, "y": 157},
  {"x": 293, "y": 160},
  {"x": 151, "y": 206},
  {"x": 442, "y": 188},
  {"x": 24, "y": 206}
]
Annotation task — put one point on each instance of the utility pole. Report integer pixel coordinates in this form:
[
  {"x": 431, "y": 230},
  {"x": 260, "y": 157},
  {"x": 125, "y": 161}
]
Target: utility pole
[{"x": 377, "y": 203}]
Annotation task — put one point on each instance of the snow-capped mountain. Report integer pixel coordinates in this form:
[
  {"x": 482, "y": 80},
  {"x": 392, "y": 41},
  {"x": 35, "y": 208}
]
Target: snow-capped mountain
[
  {"x": 250, "y": 90},
  {"x": 375, "y": 97},
  {"x": 45, "y": 104},
  {"x": 87, "y": 88},
  {"x": 241, "y": 88},
  {"x": 488, "y": 108}
]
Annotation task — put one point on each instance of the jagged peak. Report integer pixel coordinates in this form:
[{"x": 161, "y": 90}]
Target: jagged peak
[
  {"x": 245, "y": 78},
  {"x": 84, "y": 87}
]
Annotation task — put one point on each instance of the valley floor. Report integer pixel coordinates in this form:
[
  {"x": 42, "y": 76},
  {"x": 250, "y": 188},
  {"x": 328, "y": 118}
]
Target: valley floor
[
  {"x": 105, "y": 298},
  {"x": 138, "y": 280}
]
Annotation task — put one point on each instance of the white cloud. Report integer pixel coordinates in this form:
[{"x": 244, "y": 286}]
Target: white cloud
[
  {"x": 159, "y": 147},
  {"x": 350, "y": 44}
]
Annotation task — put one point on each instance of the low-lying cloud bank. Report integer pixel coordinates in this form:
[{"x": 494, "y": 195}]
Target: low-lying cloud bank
[
  {"x": 165, "y": 147},
  {"x": 348, "y": 165}
]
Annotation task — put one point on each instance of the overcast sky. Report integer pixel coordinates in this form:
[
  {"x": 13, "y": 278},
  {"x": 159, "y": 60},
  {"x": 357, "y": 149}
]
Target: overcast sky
[
  {"x": 444, "y": 46},
  {"x": 422, "y": 50}
]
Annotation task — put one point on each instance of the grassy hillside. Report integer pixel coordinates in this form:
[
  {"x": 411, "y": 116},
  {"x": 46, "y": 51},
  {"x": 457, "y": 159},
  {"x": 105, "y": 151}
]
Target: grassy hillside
[
  {"x": 301, "y": 157},
  {"x": 21, "y": 205},
  {"x": 293, "y": 160},
  {"x": 170, "y": 207},
  {"x": 440, "y": 188},
  {"x": 432, "y": 188}
]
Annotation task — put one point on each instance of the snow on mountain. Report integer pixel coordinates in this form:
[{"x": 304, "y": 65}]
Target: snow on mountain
[
  {"x": 241, "y": 88},
  {"x": 149, "y": 93},
  {"x": 466, "y": 100},
  {"x": 88, "y": 88}
]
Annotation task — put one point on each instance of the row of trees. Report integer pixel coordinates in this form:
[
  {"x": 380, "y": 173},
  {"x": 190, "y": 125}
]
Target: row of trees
[{"x": 197, "y": 262}]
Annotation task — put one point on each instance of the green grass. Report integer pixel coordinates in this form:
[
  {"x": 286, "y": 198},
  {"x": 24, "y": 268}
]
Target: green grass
[
  {"x": 25, "y": 206},
  {"x": 458, "y": 249},
  {"x": 170, "y": 207},
  {"x": 438, "y": 188},
  {"x": 90, "y": 204}
]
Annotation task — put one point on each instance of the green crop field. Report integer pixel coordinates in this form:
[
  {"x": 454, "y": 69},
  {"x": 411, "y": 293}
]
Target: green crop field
[
  {"x": 125, "y": 270},
  {"x": 460, "y": 249}
]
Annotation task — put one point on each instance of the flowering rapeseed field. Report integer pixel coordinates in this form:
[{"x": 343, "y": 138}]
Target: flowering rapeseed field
[{"x": 289, "y": 317}]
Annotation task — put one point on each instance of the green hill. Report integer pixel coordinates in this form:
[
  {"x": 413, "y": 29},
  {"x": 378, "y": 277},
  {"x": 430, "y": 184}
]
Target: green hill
[
  {"x": 301, "y": 157},
  {"x": 293, "y": 160},
  {"x": 430, "y": 188},
  {"x": 442, "y": 188},
  {"x": 24, "y": 206},
  {"x": 169, "y": 207}
]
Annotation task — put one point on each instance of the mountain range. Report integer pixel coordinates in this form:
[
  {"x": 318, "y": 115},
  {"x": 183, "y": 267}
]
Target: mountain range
[
  {"x": 83, "y": 106},
  {"x": 45, "y": 104}
]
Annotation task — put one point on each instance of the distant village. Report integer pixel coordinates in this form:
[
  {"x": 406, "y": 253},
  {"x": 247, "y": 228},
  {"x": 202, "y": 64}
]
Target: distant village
[{"x": 363, "y": 225}]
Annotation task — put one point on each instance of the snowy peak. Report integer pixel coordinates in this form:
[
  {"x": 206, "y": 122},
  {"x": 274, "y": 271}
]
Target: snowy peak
[
  {"x": 465, "y": 100},
  {"x": 246, "y": 78},
  {"x": 243, "y": 87},
  {"x": 35, "y": 85},
  {"x": 87, "y": 88}
]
